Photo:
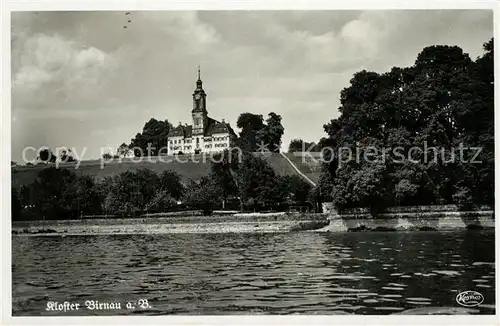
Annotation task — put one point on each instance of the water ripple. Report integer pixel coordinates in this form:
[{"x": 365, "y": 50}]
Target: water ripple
[{"x": 287, "y": 273}]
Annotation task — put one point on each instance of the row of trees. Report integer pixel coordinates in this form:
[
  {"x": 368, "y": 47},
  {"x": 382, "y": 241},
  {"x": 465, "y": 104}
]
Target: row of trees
[
  {"x": 256, "y": 133},
  {"x": 60, "y": 194},
  {"x": 446, "y": 101},
  {"x": 299, "y": 145},
  {"x": 46, "y": 155},
  {"x": 252, "y": 181},
  {"x": 246, "y": 184}
]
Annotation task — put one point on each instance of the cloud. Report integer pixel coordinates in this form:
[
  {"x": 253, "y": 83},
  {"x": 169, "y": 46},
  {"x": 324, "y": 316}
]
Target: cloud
[
  {"x": 78, "y": 72},
  {"x": 182, "y": 27},
  {"x": 51, "y": 69}
]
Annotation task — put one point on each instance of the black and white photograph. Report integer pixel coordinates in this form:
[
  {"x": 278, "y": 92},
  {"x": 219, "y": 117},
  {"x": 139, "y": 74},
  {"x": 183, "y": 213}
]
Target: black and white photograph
[{"x": 223, "y": 162}]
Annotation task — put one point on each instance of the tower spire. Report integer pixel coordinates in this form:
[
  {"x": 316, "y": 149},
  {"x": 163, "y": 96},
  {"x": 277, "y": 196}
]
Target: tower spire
[{"x": 199, "y": 86}]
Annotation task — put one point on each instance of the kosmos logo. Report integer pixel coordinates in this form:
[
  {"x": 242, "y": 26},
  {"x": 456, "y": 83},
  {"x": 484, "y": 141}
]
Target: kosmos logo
[{"x": 470, "y": 298}]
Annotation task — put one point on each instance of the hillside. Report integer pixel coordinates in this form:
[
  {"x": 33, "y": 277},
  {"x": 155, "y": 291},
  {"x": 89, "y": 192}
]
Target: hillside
[
  {"x": 196, "y": 169},
  {"x": 309, "y": 167}
]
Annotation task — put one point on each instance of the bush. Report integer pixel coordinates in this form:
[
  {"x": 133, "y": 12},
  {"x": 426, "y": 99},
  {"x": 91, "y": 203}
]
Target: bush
[{"x": 463, "y": 199}]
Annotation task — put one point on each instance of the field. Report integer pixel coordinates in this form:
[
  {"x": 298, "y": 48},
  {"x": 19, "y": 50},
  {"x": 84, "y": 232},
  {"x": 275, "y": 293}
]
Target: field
[{"x": 190, "y": 168}]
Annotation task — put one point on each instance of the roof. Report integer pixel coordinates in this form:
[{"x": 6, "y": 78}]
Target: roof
[
  {"x": 181, "y": 130},
  {"x": 213, "y": 127},
  {"x": 217, "y": 127}
]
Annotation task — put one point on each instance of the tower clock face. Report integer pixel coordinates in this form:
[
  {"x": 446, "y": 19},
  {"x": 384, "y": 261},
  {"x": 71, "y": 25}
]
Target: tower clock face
[{"x": 197, "y": 97}]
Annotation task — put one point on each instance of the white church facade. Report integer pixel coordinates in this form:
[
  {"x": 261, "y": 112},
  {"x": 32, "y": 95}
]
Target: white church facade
[{"x": 205, "y": 135}]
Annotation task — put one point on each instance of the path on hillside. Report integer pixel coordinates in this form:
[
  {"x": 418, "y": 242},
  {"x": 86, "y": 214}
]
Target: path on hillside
[{"x": 305, "y": 177}]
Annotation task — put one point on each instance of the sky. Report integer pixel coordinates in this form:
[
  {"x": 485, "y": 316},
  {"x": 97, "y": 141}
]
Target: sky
[{"x": 82, "y": 80}]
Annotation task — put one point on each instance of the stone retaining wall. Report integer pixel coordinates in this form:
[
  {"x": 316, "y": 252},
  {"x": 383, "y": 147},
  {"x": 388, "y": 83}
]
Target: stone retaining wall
[{"x": 436, "y": 220}]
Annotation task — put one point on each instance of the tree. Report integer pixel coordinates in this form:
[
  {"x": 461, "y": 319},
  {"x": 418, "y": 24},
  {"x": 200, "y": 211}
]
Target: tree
[
  {"x": 80, "y": 197},
  {"x": 107, "y": 156},
  {"x": 148, "y": 183},
  {"x": 298, "y": 145},
  {"x": 60, "y": 193},
  {"x": 170, "y": 182},
  {"x": 124, "y": 196},
  {"x": 154, "y": 132},
  {"x": 295, "y": 145},
  {"x": 223, "y": 175},
  {"x": 463, "y": 198},
  {"x": 103, "y": 188},
  {"x": 300, "y": 189},
  {"x": 131, "y": 193},
  {"x": 250, "y": 125},
  {"x": 16, "y": 207},
  {"x": 66, "y": 156},
  {"x": 46, "y": 155},
  {"x": 123, "y": 150},
  {"x": 52, "y": 192},
  {"x": 484, "y": 126},
  {"x": 274, "y": 132},
  {"x": 160, "y": 202},
  {"x": 88, "y": 198},
  {"x": 444, "y": 100},
  {"x": 293, "y": 189},
  {"x": 139, "y": 145},
  {"x": 201, "y": 194},
  {"x": 257, "y": 182},
  {"x": 254, "y": 133}
]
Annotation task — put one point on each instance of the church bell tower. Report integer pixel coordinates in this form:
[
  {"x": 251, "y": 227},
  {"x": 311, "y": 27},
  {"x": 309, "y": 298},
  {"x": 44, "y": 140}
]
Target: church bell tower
[{"x": 199, "y": 111}]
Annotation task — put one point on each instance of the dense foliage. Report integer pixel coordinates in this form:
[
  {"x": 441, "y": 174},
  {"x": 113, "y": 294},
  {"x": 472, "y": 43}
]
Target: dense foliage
[
  {"x": 249, "y": 181},
  {"x": 255, "y": 133},
  {"x": 246, "y": 184},
  {"x": 61, "y": 194},
  {"x": 154, "y": 132},
  {"x": 298, "y": 145},
  {"x": 429, "y": 111},
  {"x": 45, "y": 155}
]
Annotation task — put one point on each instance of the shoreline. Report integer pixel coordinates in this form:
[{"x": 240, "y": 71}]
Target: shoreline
[
  {"x": 169, "y": 228},
  {"x": 262, "y": 223}
]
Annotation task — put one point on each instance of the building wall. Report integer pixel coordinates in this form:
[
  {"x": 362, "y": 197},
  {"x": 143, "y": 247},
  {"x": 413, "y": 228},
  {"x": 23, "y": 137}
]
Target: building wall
[
  {"x": 216, "y": 143},
  {"x": 178, "y": 144},
  {"x": 206, "y": 144}
]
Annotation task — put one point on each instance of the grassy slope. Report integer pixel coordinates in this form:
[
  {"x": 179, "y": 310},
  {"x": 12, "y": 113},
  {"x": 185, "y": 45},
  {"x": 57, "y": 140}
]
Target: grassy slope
[
  {"x": 310, "y": 168},
  {"x": 190, "y": 170}
]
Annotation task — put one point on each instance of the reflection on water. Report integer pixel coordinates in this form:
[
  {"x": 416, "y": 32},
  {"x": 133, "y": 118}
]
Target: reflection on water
[{"x": 305, "y": 273}]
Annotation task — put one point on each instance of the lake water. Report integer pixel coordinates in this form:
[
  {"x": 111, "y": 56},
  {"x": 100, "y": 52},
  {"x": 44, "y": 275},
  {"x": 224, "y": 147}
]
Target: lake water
[{"x": 286, "y": 273}]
